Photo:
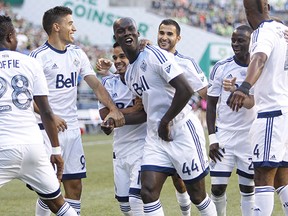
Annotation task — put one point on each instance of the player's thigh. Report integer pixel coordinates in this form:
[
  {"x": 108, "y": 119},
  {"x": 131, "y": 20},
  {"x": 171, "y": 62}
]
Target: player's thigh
[
  {"x": 121, "y": 177},
  {"x": 38, "y": 172},
  {"x": 135, "y": 161},
  {"x": 10, "y": 162},
  {"x": 243, "y": 153},
  {"x": 268, "y": 138},
  {"x": 73, "y": 154},
  {"x": 187, "y": 150}
]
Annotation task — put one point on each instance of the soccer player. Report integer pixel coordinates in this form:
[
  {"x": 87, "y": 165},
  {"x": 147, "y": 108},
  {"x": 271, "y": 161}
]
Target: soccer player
[
  {"x": 22, "y": 155},
  {"x": 62, "y": 64},
  {"x": 267, "y": 72},
  {"x": 232, "y": 128},
  {"x": 175, "y": 140},
  {"x": 128, "y": 140},
  {"x": 168, "y": 37}
]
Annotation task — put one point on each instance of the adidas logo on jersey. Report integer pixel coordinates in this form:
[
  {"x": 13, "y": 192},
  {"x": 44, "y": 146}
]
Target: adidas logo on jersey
[
  {"x": 229, "y": 76},
  {"x": 257, "y": 209},
  {"x": 167, "y": 69},
  {"x": 114, "y": 95},
  {"x": 54, "y": 66},
  {"x": 273, "y": 157}
]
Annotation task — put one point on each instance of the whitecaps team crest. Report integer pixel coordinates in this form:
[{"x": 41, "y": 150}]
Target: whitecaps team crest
[
  {"x": 76, "y": 62},
  {"x": 143, "y": 66},
  {"x": 243, "y": 73}
]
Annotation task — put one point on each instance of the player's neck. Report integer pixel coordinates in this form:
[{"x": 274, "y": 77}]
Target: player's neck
[{"x": 57, "y": 44}]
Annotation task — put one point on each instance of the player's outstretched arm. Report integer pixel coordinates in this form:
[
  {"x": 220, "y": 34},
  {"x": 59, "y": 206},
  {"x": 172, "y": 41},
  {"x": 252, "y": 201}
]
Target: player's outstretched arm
[
  {"x": 47, "y": 117},
  {"x": 104, "y": 97}
]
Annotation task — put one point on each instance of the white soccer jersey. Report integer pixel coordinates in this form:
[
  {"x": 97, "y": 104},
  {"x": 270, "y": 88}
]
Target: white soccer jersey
[
  {"x": 151, "y": 82},
  {"x": 62, "y": 69},
  {"x": 126, "y": 137},
  {"x": 21, "y": 78},
  {"x": 271, "y": 90},
  {"x": 192, "y": 71},
  {"x": 226, "y": 118}
]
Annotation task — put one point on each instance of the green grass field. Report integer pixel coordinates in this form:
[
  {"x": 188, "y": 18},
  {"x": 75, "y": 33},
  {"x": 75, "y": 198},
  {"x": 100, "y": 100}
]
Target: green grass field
[{"x": 98, "y": 188}]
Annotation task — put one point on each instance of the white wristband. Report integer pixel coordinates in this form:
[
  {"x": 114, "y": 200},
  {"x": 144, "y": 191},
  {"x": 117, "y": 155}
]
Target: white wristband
[
  {"x": 213, "y": 139},
  {"x": 56, "y": 150}
]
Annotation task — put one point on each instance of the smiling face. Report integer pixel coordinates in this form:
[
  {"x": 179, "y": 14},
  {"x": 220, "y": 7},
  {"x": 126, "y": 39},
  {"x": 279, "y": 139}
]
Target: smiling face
[
  {"x": 168, "y": 37},
  {"x": 126, "y": 34},
  {"x": 240, "y": 41},
  {"x": 66, "y": 29},
  {"x": 120, "y": 60}
]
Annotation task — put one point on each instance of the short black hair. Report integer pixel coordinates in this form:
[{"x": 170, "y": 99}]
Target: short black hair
[
  {"x": 6, "y": 26},
  {"x": 171, "y": 22},
  {"x": 116, "y": 44},
  {"x": 54, "y": 15},
  {"x": 245, "y": 28}
]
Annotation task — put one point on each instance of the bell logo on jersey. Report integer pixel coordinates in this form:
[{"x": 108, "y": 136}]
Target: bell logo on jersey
[{"x": 61, "y": 82}]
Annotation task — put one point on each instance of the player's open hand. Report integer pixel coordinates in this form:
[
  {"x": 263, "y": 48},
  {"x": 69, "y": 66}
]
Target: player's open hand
[
  {"x": 236, "y": 100},
  {"x": 143, "y": 43},
  {"x": 60, "y": 123},
  {"x": 214, "y": 152},
  {"x": 117, "y": 116},
  {"x": 56, "y": 159},
  {"x": 103, "y": 64},
  {"x": 164, "y": 131}
]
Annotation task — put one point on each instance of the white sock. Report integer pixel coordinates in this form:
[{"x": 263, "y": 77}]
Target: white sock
[
  {"x": 283, "y": 196},
  {"x": 125, "y": 208},
  {"x": 220, "y": 204},
  {"x": 75, "y": 204},
  {"x": 136, "y": 204},
  {"x": 247, "y": 203},
  {"x": 42, "y": 209},
  {"x": 153, "y": 209},
  {"x": 66, "y": 210},
  {"x": 264, "y": 200},
  {"x": 207, "y": 207},
  {"x": 184, "y": 202}
]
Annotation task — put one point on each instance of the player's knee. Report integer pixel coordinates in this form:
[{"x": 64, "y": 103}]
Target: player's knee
[
  {"x": 246, "y": 189},
  {"x": 73, "y": 189},
  {"x": 218, "y": 190},
  {"x": 149, "y": 194}
]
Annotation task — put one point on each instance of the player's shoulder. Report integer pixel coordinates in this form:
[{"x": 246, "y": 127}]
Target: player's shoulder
[
  {"x": 182, "y": 57},
  {"x": 158, "y": 55},
  {"x": 220, "y": 66},
  {"x": 26, "y": 59},
  {"x": 109, "y": 80},
  {"x": 41, "y": 50},
  {"x": 74, "y": 47}
]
